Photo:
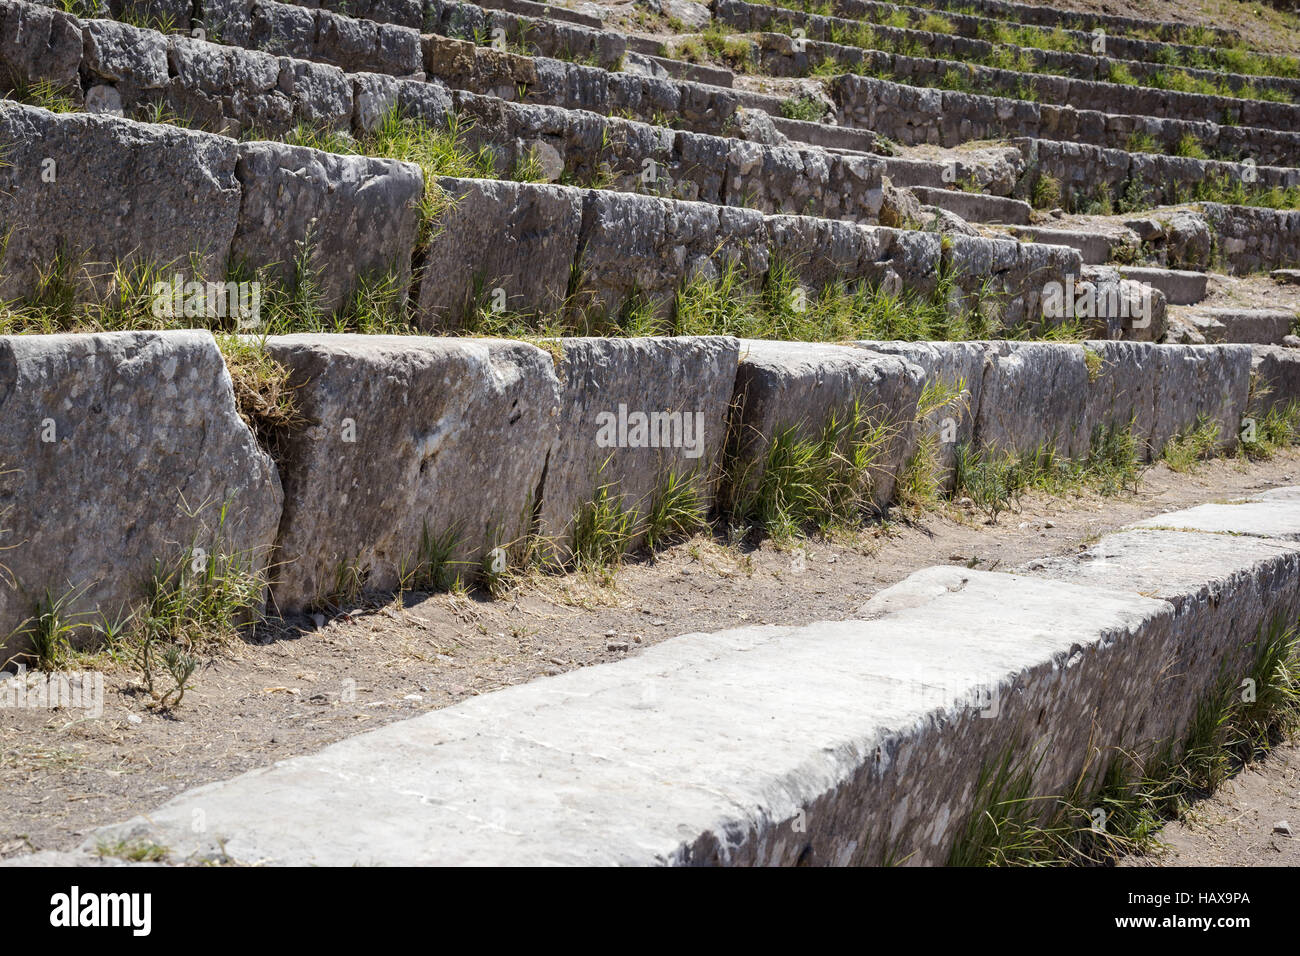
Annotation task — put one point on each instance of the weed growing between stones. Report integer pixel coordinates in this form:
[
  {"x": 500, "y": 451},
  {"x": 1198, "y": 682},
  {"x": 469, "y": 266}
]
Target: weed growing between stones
[
  {"x": 51, "y": 629},
  {"x": 824, "y": 480},
  {"x": 806, "y": 108},
  {"x": 264, "y": 395},
  {"x": 133, "y": 852},
  {"x": 1235, "y": 722},
  {"x": 71, "y": 295},
  {"x": 1275, "y": 429},
  {"x": 923, "y": 477}
]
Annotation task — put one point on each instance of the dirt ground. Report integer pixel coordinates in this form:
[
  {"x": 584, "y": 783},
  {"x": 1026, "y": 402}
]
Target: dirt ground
[
  {"x": 1253, "y": 820},
  {"x": 294, "y": 689}
]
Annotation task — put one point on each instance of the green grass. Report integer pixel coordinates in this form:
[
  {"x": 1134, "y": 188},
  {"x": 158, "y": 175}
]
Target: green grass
[
  {"x": 996, "y": 481},
  {"x": 1235, "y": 721},
  {"x": 603, "y": 531},
  {"x": 52, "y": 628},
  {"x": 807, "y": 108},
  {"x": 1193, "y": 445},
  {"x": 822, "y": 478}
]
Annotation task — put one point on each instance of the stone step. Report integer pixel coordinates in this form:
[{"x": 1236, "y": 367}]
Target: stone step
[
  {"x": 964, "y": 25},
  {"x": 917, "y": 115},
  {"x": 576, "y": 146},
  {"x": 827, "y": 136},
  {"x": 1049, "y": 16},
  {"x": 962, "y": 50},
  {"x": 975, "y": 207},
  {"x": 590, "y": 16},
  {"x": 834, "y": 743},
  {"x": 780, "y": 55},
  {"x": 1252, "y": 326},
  {"x": 1093, "y": 247},
  {"x": 1179, "y": 286}
]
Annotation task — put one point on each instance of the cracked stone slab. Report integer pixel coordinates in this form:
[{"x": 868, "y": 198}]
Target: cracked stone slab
[
  {"x": 406, "y": 434},
  {"x": 118, "y": 449},
  {"x": 1277, "y": 517}
]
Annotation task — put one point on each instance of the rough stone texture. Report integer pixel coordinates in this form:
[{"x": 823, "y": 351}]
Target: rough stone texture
[
  {"x": 37, "y": 43},
  {"x": 1277, "y": 369},
  {"x": 450, "y": 435},
  {"x": 144, "y": 449},
  {"x": 1083, "y": 170},
  {"x": 1251, "y": 239},
  {"x": 1035, "y": 395},
  {"x": 648, "y": 247},
  {"x": 915, "y": 115},
  {"x": 690, "y": 377},
  {"x": 122, "y": 192},
  {"x": 1198, "y": 380},
  {"x": 356, "y": 215},
  {"x": 1179, "y": 287},
  {"x": 1226, "y": 590},
  {"x": 800, "y": 385},
  {"x": 951, "y": 368},
  {"x": 826, "y": 744},
  {"x": 518, "y": 237},
  {"x": 351, "y": 44},
  {"x": 1109, "y": 304},
  {"x": 1122, "y": 390},
  {"x": 1249, "y": 326}
]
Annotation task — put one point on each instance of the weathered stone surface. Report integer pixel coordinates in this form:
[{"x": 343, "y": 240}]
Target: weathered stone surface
[
  {"x": 605, "y": 385},
  {"x": 1277, "y": 374},
  {"x": 953, "y": 369},
  {"x": 117, "y": 450},
  {"x": 1248, "y": 326},
  {"x": 870, "y": 734},
  {"x": 1200, "y": 380},
  {"x": 132, "y": 59},
  {"x": 1225, "y": 589},
  {"x": 1035, "y": 395},
  {"x": 116, "y": 192},
  {"x": 1271, "y": 518},
  {"x": 1110, "y": 304},
  {"x": 649, "y": 247},
  {"x": 1122, "y": 388},
  {"x": 521, "y": 238},
  {"x": 37, "y": 43},
  {"x": 800, "y": 385},
  {"x": 407, "y": 435},
  {"x": 357, "y": 216}
]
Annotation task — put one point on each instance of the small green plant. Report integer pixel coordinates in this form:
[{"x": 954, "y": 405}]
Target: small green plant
[
  {"x": 602, "y": 531},
  {"x": 807, "y": 108},
  {"x": 51, "y": 628},
  {"x": 139, "y": 851},
  {"x": 1193, "y": 445},
  {"x": 1046, "y": 192},
  {"x": 676, "y": 510},
  {"x": 825, "y": 479}
]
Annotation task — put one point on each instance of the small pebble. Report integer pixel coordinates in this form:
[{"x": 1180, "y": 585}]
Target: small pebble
[{"x": 1282, "y": 827}]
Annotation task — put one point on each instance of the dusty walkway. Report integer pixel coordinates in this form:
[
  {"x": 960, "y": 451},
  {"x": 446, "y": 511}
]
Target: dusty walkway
[{"x": 296, "y": 690}]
